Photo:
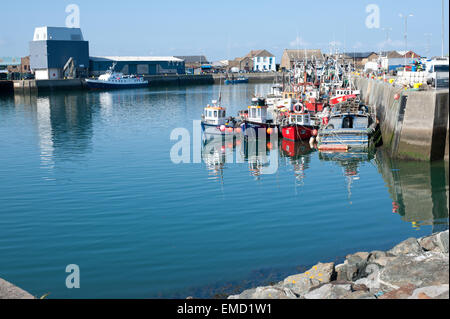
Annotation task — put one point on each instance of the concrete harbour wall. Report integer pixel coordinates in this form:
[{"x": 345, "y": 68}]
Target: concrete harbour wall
[
  {"x": 414, "y": 126},
  {"x": 30, "y": 86}
]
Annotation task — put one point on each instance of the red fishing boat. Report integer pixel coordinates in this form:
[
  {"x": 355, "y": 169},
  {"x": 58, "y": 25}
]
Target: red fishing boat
[{"x": 299, "y": 125}]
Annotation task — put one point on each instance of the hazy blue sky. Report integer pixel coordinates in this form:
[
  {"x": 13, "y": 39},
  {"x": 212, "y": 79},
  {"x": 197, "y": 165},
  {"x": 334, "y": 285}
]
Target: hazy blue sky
[{"x": 225, "y": 29}]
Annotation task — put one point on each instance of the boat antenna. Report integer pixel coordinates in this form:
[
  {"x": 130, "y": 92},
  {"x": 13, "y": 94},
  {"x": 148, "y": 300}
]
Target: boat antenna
[{"x": 220, "y": 91}]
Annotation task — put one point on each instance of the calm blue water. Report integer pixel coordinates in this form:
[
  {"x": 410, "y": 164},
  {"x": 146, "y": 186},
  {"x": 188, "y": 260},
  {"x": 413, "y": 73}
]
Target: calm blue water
[{"x": 86, "y": 178}]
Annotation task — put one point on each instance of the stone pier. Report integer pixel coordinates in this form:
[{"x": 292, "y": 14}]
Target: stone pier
[{"x": 414, "y": 124}]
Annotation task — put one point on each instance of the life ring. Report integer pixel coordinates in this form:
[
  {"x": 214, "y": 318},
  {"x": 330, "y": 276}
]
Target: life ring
[{"x": 299, "y": 108}]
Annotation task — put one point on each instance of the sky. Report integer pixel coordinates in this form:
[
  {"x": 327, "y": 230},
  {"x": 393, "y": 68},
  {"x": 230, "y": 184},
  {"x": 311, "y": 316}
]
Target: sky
[{"x": 228, "y": 29}]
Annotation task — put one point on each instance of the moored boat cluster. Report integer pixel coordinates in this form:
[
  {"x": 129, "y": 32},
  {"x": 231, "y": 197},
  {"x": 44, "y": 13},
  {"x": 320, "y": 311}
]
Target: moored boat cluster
[{"x": 319, "y": 104}]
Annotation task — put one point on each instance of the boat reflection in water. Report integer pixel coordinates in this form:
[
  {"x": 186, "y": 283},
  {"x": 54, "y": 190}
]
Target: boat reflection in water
[
  {"x": 216, "y": 152},
  {"x": 261, "y": 154},
  {"x": 350, "y": 162},
  {"x": 299, "y": 155}
]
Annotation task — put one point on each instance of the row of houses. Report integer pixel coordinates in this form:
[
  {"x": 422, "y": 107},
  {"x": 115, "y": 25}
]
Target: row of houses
[
  {"x": 14, "y": 67},
  {"x": 255, "y": 60}
]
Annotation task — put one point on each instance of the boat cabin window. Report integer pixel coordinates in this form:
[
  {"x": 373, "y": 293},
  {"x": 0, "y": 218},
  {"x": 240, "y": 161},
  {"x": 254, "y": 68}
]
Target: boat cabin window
[{"x": 347, "y": 122}]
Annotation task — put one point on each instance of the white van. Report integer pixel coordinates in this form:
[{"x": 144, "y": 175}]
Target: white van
[{"x": 438, "y": 73}]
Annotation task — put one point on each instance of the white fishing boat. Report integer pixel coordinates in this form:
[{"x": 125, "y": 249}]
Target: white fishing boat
[{"x": 116, "y": 80}]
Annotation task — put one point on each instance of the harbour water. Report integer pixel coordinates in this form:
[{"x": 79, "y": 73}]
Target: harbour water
[{"x": 86, "y": 178}]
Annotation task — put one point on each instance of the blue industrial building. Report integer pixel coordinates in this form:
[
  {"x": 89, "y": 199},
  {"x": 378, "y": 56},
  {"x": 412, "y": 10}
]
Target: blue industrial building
[
  {"x": 143, "y": 65},
  {"x": 58, "y": 52}
]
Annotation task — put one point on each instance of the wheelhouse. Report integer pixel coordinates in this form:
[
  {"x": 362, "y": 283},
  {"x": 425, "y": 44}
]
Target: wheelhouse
[
  {"x": 300, "y": 119},
  {"x": 257, "y": 112},
  {"x": 214, "y": 115}
]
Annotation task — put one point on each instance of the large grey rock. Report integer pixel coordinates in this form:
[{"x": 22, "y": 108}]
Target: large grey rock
[
  {"x": 376, "y": 254},
  {"x": 269, "y": 292},
  {"x": 426, "y": 270},
  {"x": 317, "y": 275},
  {"x": 329, "y": 291},
  {"x": 382, "y": 261},
  {"x": 246, "y": 294},
  {"x": 403, "y": 292},
  {"x": 436, "y": 242},
  {"x": 353, "y": 267},
  {"x": 9, "y": 291},
  {"x": 442, "y": 241},
  {"x": 408, "y": 247},
  {"x": 429, "y": 243},
  {"x": 359, "y": 295},
  {"x": 430, "y": 291}
]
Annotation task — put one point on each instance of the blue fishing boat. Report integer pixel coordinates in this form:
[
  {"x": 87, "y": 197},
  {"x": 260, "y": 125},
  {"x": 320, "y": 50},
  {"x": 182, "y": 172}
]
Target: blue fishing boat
[
  {"x": 254, "y": 122},
  {"x": 350, "y": 128},
  {"x": 215, "y": 122},
  {"x": 238, "y": 80}
]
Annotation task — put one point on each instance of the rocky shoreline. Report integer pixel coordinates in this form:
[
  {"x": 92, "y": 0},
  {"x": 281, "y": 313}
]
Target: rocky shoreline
[
  {"x": 9, "y": 291},
  {"x": 414, "y": 269}
]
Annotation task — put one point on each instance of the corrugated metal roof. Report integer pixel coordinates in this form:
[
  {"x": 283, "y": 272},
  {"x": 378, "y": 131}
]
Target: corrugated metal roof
[
  {"x": 359, "y": 55},
  {"x": 300, "y": 54},
  {"x": 193, "y": 58},
  {"x": 58, "y": 34},
  {"x": 135, "y": 58}
]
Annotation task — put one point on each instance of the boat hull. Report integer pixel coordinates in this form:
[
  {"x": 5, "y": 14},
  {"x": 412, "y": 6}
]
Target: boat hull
[
  {"x": 103, "y": 85},
  {"x": 255, "y": 130},
  {"x": 222, "y": 130},
  {"x": 297, "y": 132},
  {"x": 236, "y": 81}
]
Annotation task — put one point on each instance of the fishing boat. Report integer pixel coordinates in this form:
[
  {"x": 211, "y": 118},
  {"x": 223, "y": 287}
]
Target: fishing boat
[
  {"x": 298, "y": 125},
  {"x": 238, "y": 80},
  {"x": 350, "y": 127},
  {"x": 254, "y": 120},
  {"x": 116, "y": 80},
  {"x": 215, "y": 122}
]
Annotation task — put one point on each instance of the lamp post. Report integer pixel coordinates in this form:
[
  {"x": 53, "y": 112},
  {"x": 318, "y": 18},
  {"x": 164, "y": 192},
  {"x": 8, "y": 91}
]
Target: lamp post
[{"x": 405, "y": 16}]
